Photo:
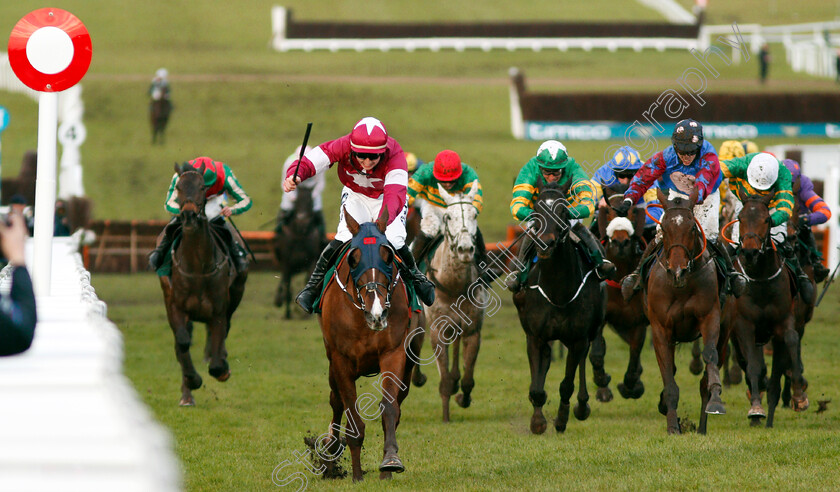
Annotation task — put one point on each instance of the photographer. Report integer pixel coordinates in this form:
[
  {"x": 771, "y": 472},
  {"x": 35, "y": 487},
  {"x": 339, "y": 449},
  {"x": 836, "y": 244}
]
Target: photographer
[{"x": 17, "y": 309}]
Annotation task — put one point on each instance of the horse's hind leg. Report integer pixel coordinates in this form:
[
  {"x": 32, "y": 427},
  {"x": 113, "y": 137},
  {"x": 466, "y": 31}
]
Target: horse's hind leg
[
  {"x": 334, "y": 448},
  {"x": 442, "y": 361},
  {"x": 576, "y": 357},
  {"x": 774, "y": 388},
  {"x": 632, "y": 386},
  {"x": 696, "y": 365},
  {"x": 355, "y": 434},
  {"x": 799, "y": 399},
  {"x": 670, "y": 396},
  {"x": 732, "y": 374},
  {"x": 417, "y": 376},
  {"x": 599, "y": 375},
  {"x": 582, "y": 408},
  {"x": 539, "y": 359},
  {"x": 182, "y": 330},
  {"x": 472, "y": 343}
]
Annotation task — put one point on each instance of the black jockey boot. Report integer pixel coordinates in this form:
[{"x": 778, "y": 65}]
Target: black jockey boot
[
  {"x": 168, "y": 237},
  {"x": 807, "y": 237},
  {"x": 486, "y": 273},
  {"x": 736, "y": 282},
  {"x": 422, "y": 286},
  {"x": 633, "y": 282},
  {"x": 313, "y": 287},
  {"x": 526, "y": 252},
  {"x": 235, "y": 250},
  {"x": 803, "y": 282},
  {"x": 604, "y": 268},
  {"x": 420, "y": 246}
]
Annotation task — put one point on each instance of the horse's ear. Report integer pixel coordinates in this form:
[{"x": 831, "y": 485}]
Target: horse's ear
[
  {"x": 447, "y": 198},
  {"x": 382, "y": 221},
  {"x": 692, "y": 198},
  {"x": 660, "y": 195},
  {"x": 202, "y": 169},
  {"x": 352, "y": 225},
  {"x": 473, "y": 189},
  {"x": 540, "y": 182},
  {"x": 178, "y": 169}
]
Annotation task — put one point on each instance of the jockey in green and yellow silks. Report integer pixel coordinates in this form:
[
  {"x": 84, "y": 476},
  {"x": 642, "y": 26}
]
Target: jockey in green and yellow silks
[
  {"x": 454, "y": 176},
  {"x": 553, "y": 164}
]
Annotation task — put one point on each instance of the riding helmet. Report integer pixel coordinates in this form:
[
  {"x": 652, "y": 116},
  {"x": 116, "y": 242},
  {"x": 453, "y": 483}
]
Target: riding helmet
[
  {"x": 730, "y": 149},
  {"x": 552, "y": 155},
  {"x": 762, "y": 171},
  {"x": 688, "y": 136},
  {"x": 369, "y": 136},
  {"x": 447, "y": 166}
]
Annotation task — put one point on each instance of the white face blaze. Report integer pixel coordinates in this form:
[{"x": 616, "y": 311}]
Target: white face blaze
[{"x": 460, "y": 221}]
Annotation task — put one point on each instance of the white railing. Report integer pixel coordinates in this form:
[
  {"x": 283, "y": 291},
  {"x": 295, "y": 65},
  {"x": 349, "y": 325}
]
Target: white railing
[{"x": 71, "y": 420}]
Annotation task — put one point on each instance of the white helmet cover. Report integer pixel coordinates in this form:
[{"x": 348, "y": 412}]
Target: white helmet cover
[{"x": 762, "y": 171}]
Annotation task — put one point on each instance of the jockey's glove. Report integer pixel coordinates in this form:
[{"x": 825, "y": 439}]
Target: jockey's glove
[{"x": 622, "y": 208}]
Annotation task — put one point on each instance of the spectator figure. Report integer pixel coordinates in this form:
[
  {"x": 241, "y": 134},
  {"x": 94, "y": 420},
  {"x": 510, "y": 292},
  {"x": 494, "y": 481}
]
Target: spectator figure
[
  {"x": 18, "y": 205},
  {"x": 17, "y": 309},
  {"x": 61, "y": 223},
  {"x": 764, "y": 60}
]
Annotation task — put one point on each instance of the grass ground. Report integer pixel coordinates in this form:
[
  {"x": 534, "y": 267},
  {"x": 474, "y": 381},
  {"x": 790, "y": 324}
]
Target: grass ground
[{"x": 241, "y": 430}]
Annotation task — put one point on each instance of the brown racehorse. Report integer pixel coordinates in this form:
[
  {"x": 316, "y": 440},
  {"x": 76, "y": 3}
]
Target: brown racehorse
[
  {"x": 682, "y": 303},
  {"x": 765, "y": 312},
  {"x": 296, "y": 246},
  {"x": 203, "y": 286},
  {"x": 624, "y": 245},
  {"x": 561, "y": 300},
  {"x": 159, "y": 111},
  {"x": 365, "y": 324}
]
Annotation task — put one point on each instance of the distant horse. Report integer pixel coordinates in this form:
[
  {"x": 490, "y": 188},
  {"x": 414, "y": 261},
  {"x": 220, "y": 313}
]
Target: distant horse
[
  {"x": 365, "y": 324},
  {"x": 159, "y": 111},
  {"x": 561, "y": 300},
  {"x": 682, "y": 303},
  {"x": 454, "y": 273},
  {"x": 765, "y": 312},
  {"x": 297, "y": 246},
  {"x": 624, "y": 245},
  {"x": 203, "y": 286}
]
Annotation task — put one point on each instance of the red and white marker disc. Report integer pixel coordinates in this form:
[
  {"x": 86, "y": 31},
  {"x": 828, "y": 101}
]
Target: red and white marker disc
[{"x": 50, "y": 50}]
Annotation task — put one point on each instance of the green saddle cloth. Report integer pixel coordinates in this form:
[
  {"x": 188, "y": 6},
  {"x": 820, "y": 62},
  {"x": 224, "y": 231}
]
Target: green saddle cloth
[
  {"x": 165, "y": 269},
  {"x": 413, "y": 302}
]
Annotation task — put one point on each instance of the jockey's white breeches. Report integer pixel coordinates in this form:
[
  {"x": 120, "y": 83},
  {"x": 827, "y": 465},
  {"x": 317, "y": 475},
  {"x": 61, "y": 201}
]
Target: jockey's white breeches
[{"x": 366, "y": 209}]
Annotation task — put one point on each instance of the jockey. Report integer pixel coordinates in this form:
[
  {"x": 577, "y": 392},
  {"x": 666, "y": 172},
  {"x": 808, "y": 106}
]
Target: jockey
[
  {"x": 453, "y": 176},
  {"x": 159, "y": 89},
  {"x": 617, "y": 174},
  {"x": 287, "y": 203},
  {"x": 412, "y": 163},
  {"x": 749, "y": 146},
  {"x": 372, "y": 168},
  {"x": 813, "y": 211},
  {"x": 553, "y": 164},
  {"x": 690, "y": 162},
  {"x": 761, "y": 174},
  {"x": 729, "y": 149},
  {"x": 220, "y": 183}
]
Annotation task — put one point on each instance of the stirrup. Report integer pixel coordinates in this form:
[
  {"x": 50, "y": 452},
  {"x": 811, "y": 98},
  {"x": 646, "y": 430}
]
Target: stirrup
[{"x": 305, "y": 299}]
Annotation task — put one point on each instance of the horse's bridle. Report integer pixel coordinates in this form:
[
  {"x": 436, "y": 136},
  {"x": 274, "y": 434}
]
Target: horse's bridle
[
  {"x": 697, "y": 227},
  {"x": 372, "y": 286},
  {"x": 450, "y": 236}
]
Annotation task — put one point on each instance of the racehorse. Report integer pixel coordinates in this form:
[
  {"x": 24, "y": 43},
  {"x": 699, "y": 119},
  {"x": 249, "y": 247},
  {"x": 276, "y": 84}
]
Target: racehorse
[
  {"x": 203, "y": 286},
  {"x": 624, "y": 245},
  {"x": 159, "y": 111},
  {"x": 765, "y": 312},
  {"x": 365, "y": 324},
  {"x": 682, "y": 303},
  {"x": 562, "y": 299},
  {"x": 454, "y": 273},
  {"x": 296, "y": 246}
]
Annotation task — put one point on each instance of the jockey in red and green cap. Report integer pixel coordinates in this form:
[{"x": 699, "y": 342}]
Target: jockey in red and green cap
[{"x": 222, "y": 185}]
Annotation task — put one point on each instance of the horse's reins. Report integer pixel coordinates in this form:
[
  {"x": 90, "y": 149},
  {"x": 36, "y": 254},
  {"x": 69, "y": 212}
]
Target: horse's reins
[
  {"x": 451, "y": 238},
  {"x": 215, "y": 235},
  {"x": 667, "y": 251},
  {"x": 369, "y": 287},
  {"x": 740, "y": 246}
]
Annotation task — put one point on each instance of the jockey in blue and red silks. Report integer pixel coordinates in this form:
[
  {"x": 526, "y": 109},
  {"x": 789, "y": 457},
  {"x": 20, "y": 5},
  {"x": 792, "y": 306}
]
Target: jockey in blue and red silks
[
  {"x": 373, "y": 170},
  {"x": 690, "y": 162},
  {"x": 812, "y": 211}
]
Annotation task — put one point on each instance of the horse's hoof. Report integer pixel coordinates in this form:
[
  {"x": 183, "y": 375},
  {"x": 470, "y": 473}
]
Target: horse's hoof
[
  {"x": 392, "y": 464},
  {"x": 224, "y": 377},
  {"x": 635, "y": 392},
  {"x": 800, "y": 405},
  {"x": 604, "y": 395},
  {"x": 662, "y": 407},
  {"x": 582, "y": 411},
  {"x": 462, "y": 400},
  {"x": 756, "y": 411},
  {"x": 562, "y": 417},
  {"x": 715, "y": 408},
  {"x": 696, "y": 367},
  {"x": 418, "y": 378},
  {"x": 187, "y": 402},
  {"x": 538, "y": 423}
]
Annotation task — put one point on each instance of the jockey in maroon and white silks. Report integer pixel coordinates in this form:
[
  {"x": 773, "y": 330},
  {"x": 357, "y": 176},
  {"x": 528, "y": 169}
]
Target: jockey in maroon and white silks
[{"x": 373, "y": 170}]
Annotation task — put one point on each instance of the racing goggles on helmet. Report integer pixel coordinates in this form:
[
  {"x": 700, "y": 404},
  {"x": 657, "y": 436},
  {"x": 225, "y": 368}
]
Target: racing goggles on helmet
[
  {"x": 362, "y": 156},
  {"x": 625, "y": 173}
]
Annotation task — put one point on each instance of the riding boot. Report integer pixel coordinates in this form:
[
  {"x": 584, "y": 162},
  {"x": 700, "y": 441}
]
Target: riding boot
[
  {"x": 526, "y": 251},
  {"x": 736, "y": 282},
  {"x": 313, "y": 287},
  {"x": 603, "y": 268},
  {"x": 807, "y": 237},
  {"x": 420, "y": 246},
  {"x": 482, "y": 262},
  {"x": 803, "y": 282},
  {"x": 158, "y": 254},
  {"x": 422, "y": 286},
  {"x": 633, "y": 282}
]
